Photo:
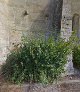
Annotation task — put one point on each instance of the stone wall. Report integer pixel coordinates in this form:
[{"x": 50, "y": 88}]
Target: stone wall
[
  {"x": 76, "y": 10},
  {"x": 31, "y": 18},
  {"x": 70, "y": 9},
  {"x": 66, "y": 31},
  {"x": 70, "y": 22},
  {"x": 23, "y": 17}
]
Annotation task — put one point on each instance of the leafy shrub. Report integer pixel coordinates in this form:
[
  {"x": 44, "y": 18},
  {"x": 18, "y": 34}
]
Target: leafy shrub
[
  {"x": 76, "y": 56},
  {"x": 36, "y": 61}
]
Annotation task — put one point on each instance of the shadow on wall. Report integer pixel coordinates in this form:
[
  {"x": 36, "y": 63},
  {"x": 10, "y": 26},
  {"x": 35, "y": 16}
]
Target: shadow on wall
[{"x": 36, "y": 18}]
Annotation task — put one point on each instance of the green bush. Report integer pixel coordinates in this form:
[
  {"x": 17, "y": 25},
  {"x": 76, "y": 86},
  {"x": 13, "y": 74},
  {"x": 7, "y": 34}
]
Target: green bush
[
  {"x": 36, "y": 61},
  {"x": 76, "y": 56}
]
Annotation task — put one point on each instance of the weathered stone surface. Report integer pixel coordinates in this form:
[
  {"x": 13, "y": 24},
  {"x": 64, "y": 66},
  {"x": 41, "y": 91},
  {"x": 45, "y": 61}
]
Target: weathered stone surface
[
  {"x": 23, "y": 17},
  {"x": 66, "y": 31},
  {"x": 32, "y": 18},
  {"x": 62, "y": 86},
  {"x": 28, "y": 88}
]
